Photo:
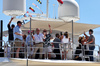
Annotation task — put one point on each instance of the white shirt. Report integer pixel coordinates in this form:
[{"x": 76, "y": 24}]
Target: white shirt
[
  {"x": 65, "y": 40},
  {"x": 38, "y": 38}
]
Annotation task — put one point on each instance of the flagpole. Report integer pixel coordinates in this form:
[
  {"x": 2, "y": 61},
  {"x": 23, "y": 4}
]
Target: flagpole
[
  {"x": 47, "y": 8},
  {"x": 53, "y": 10}
]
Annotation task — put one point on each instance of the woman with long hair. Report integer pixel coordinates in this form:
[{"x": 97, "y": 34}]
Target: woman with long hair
[{"x": 65, "y": 40}]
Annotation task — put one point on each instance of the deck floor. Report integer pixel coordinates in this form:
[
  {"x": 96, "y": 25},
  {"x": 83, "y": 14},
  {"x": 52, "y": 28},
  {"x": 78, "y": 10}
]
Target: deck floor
[{"x": 17, "y": 62}]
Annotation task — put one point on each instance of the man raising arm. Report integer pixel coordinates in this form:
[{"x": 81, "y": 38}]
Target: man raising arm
[
  {"x": 91, "y": 42},
  {"x": 10, "y": 30}
]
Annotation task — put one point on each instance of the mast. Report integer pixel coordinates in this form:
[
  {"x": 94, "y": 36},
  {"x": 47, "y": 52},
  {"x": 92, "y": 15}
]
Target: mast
[{"x": 47, "y": 8}]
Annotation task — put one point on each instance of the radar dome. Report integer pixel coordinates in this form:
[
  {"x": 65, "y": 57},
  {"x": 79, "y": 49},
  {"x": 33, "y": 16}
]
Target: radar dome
[
  {"x": 14, "y": 7},
  {"x": 69, "y": 10}
]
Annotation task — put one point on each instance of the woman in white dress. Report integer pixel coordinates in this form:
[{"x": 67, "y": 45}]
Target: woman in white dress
[{"x": 65, "y": 40}]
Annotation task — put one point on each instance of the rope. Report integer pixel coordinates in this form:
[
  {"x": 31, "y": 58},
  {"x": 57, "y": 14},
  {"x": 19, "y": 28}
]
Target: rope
[{"x": 41, "y": 6}]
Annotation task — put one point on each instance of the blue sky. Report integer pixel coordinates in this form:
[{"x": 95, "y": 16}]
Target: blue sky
[{"x": 89, "y": 13}]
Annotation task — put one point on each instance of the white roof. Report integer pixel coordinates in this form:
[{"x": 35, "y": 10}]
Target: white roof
[
  {"x": 56, "y": 25},
  {"x": 59, "y": 25}
]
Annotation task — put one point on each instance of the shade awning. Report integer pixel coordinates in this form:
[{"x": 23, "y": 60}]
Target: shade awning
[
  {"x": 79, "y": 28},
  {"x": 56, "y": 25}
]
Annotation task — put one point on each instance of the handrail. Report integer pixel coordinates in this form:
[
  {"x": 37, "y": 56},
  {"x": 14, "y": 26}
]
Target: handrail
[
  {"x": 5, "y": 53},
  {"x": 64, "y": 48}
]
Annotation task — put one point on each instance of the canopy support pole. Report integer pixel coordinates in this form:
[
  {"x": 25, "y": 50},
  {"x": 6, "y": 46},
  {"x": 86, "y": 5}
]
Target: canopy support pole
[
  {"x": 72, "y": 33},
  {"x": 30, "y": 28},
  {"x": 30, "y": 41},
  {"x": 72, "y": 40}
]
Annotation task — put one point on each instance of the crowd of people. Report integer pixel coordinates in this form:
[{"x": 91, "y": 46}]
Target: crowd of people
[{"x": 40, "y": 43}]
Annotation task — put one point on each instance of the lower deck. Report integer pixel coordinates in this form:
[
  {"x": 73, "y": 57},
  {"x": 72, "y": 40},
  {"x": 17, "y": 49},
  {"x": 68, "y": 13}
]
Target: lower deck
[{"x": 34, "y": 62}]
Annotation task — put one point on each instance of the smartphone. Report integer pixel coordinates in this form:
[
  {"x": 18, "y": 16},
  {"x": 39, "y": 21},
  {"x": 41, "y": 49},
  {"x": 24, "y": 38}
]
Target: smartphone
[{"x": 61, "y": 33}]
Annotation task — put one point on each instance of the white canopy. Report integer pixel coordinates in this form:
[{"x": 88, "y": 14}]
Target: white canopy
[{"x": 57, "y": 25}]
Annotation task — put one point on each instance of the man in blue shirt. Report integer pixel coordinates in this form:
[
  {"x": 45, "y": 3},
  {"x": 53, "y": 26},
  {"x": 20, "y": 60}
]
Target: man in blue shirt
[
  {"x": 18, "y": 37},
  {"x": 29, "y": 42},
  {"x": 29, "y": 39}
]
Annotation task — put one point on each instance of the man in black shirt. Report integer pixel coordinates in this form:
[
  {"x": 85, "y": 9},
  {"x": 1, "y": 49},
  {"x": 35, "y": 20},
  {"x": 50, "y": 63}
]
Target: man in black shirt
[
  {"x": 47, "y": 37},
  {"x": 10, "y": 30},
  {"x": 56, "y": 46}
]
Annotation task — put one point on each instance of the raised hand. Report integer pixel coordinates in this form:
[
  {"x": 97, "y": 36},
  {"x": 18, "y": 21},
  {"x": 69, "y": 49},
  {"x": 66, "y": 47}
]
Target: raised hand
[
  {"x": 50, "y": 28},
  {"x": 49, "y": 25},
  {"x": 12, "y": 18},
  {"x": 84, "y": 33}
]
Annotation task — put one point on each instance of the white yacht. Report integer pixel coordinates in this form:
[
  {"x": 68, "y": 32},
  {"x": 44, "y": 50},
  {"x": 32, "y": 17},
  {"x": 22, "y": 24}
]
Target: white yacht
[{"x": 68, "y": 14}]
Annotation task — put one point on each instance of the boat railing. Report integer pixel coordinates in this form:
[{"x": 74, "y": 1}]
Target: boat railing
[
  {"x": 88, "y": 50},
  {"x": 63, "y": 47},
  {"x": 85, "y": 48},
  {"x": 3, "y": 46}
]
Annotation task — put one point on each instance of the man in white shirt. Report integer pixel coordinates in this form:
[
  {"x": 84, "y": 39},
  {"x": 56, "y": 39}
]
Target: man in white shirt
[{"x": 38, "y": 38}]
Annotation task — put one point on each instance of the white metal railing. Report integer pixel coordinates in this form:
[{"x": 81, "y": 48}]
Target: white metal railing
[
  {"x": 91, "y": 50},
  {"x": 3, "y": 47},
  {"x": 84, "y": 50},
  {"x": 63, "y": 48}
]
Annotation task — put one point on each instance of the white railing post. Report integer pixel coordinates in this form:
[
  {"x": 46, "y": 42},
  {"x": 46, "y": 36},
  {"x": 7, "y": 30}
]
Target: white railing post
[
  {"x": 25, "y": 50},
  {"x": 82, "y": 52},
  {"x": 4, "y": 50},
  {"x": 13, "y": 50},
  {"x": 27, "y": 56}
]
